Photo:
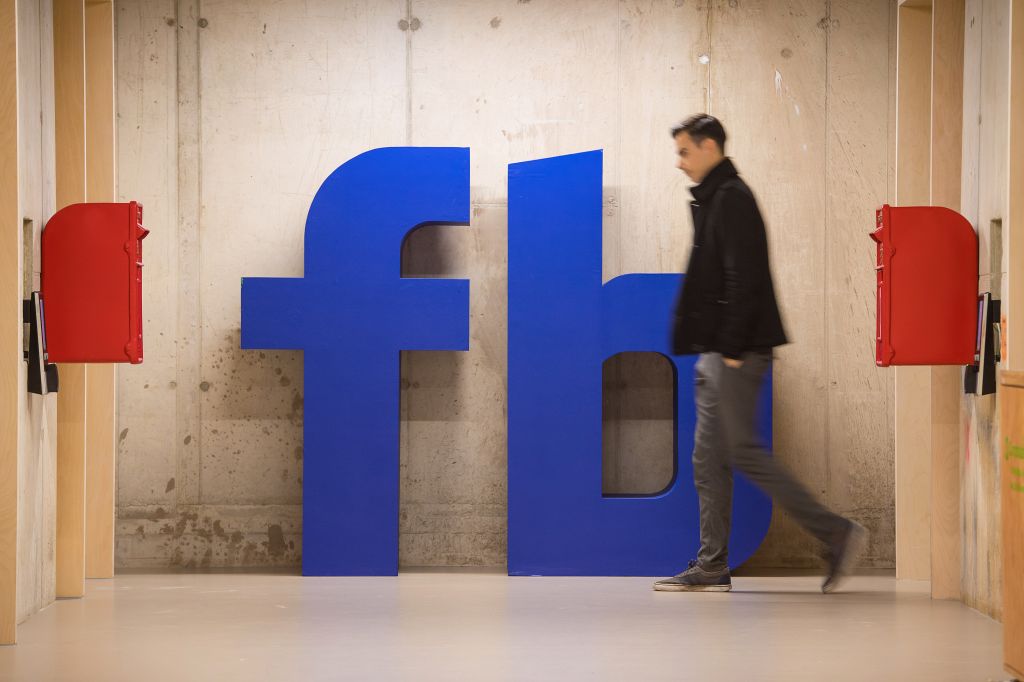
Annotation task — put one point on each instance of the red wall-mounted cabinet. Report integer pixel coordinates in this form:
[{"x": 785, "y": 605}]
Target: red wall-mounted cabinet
[
  {"x": 927, "y": 275},
  {"x": 92, "y": 283}
]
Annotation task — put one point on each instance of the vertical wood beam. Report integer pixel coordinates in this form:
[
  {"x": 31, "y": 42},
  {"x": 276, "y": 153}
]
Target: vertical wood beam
[
  {"x": 913, "y": 384},
  {"x": 69, "y": 96},
  {"x": 1014, "y": 310},
  {"x": 945, "y": 185},
  {"x": 10, "y": 321},
  {"x": 101, "y": 381}
]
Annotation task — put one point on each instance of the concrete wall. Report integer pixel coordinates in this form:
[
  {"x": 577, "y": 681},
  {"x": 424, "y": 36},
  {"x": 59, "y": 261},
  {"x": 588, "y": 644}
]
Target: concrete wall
[
  {"x": 984, "y": 203},
  {"x": 37, "y": 450},
  {"x": 232, "y": 113}
]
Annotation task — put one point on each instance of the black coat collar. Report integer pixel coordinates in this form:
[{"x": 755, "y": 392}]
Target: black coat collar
[{"x": 703, "y": 192}]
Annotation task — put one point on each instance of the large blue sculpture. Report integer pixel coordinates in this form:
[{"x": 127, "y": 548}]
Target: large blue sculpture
[
  {"x": 562, "y": 325},
  {"x": 352, "y": 313}
]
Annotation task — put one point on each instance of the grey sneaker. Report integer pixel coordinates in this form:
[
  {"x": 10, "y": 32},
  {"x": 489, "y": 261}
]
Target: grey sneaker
[
  {"x": 842, "y": 557},
  {"x": 696, "y": 579}
]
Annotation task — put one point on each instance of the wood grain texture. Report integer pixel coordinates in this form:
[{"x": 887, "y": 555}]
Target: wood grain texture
[
  {"x": 100, "y": 423},
  {"x": 69, "y": 99},
  {"x": 71, "y": 481},
  {"x": 947, "y": 93},
  {"x": 984, "y": 200},
  {"x": 1012, "y": 419},
  {"x": 913, "y": 384},
  {"x": 37, "y": 507},
  {"x": 1014, "y": 228},
  {"x": 10, "y": 313}
]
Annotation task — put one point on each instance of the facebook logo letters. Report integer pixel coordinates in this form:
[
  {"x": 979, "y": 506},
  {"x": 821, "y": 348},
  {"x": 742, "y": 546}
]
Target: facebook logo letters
[{"x": 353, "y": 312}]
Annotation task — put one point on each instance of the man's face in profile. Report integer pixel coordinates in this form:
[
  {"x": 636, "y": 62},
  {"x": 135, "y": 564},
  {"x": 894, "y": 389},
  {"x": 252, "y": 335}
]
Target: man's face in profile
[{"x": 696, "y": 160}]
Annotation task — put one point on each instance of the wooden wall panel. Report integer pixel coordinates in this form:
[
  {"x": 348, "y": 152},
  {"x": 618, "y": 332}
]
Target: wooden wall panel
[
  {"x": 1012, "y": 419},
  {"x": 983, "y": 202},
  {"x": 10, "y": 314},
  {"x": 100, "y": 423},
  {"x": 945, "y": 184},
  {"x": 913, "y": 384},
  {"x": 37, "y": 462},
  {"x": 1014, "y": 312},
  {"x": 69, "y": 95}
]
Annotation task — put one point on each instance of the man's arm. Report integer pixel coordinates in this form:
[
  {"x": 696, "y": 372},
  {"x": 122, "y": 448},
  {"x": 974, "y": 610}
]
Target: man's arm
[{"x": 744, "y": 253}]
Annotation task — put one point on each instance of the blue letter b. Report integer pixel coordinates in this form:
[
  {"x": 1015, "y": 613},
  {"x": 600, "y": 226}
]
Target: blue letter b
[{"x": 563, "y": 324}]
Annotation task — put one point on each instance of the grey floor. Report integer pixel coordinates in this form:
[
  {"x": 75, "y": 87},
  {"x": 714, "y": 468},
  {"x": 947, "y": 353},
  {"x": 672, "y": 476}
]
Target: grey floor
[{"x": 480, "y": 626}]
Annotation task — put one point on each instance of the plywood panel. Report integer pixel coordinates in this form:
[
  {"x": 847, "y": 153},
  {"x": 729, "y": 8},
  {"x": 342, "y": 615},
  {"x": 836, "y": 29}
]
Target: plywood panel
[
  {"x": 913, "y": 384},
  {"x": 971, "y": 115},
  {"x": 37, "y": 510},
  {"x": 1013, "y": 358},
  {"x": 946, "y": 94},
  {"x": 972, "y": 407},
  {"x": 10, "y": 314},
  {"x": 986, "y": 125},
  {"x": 100, "y": 444},
  {"x": 102, "y": 379},
  {"x": 946, "y": 546},
  {"x": 99, "y": 100},
  {"x": 913, "y": 105},
  {"x": 945, "y": 187},
  {"x": 913, "y": 473},
  {"x": 71, "y": 481},
  {"x": 1012, "y": 419},
  {"x": 69, "y": 94}
]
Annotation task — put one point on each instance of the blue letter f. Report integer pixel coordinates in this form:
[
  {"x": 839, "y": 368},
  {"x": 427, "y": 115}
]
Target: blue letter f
[{"x": 352, "y": 313}]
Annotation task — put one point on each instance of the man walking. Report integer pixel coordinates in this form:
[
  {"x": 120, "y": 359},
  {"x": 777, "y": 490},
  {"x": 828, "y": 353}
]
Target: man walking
[{"x": 726, "y": 312}]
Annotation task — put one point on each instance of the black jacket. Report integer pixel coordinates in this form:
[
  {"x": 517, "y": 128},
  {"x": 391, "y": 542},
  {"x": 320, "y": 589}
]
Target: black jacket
[{"x": 727, "y": 301}]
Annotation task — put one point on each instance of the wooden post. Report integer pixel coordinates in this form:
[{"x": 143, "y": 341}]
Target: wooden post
[
  {"x": 913, "y": 384},
  {"x": 947, "y": 96},
  {"x": 1013, "y": 312},
  {"x": 69, "y": 99},
  {"x": 1012, "y": 450},
  {"x": 10, "y": 313},
  {"x": 100, "y": 421}
]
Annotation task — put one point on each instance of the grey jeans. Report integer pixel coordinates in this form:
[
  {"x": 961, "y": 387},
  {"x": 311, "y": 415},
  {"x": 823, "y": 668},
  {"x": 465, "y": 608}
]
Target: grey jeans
[{"x": 726, "y": 440}]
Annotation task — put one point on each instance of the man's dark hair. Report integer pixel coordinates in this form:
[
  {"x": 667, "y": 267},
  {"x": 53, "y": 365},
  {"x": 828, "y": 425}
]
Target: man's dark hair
[{"x": 701, "y": 127}]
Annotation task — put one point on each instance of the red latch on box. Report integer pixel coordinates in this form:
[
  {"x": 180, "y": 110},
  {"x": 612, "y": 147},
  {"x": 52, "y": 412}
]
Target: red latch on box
[
  {"x": 927, "y": 277},
  {"x": 92, "y": 283}
]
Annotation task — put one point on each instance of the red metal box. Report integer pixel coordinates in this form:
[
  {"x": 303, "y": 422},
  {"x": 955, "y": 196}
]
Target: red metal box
[
  {"x": 92, "y": 283},
  {"x": 927, "y": 275}
]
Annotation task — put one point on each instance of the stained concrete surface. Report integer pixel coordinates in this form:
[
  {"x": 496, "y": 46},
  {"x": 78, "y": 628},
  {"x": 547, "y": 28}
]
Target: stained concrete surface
[{"x": 231, "y": 113}]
